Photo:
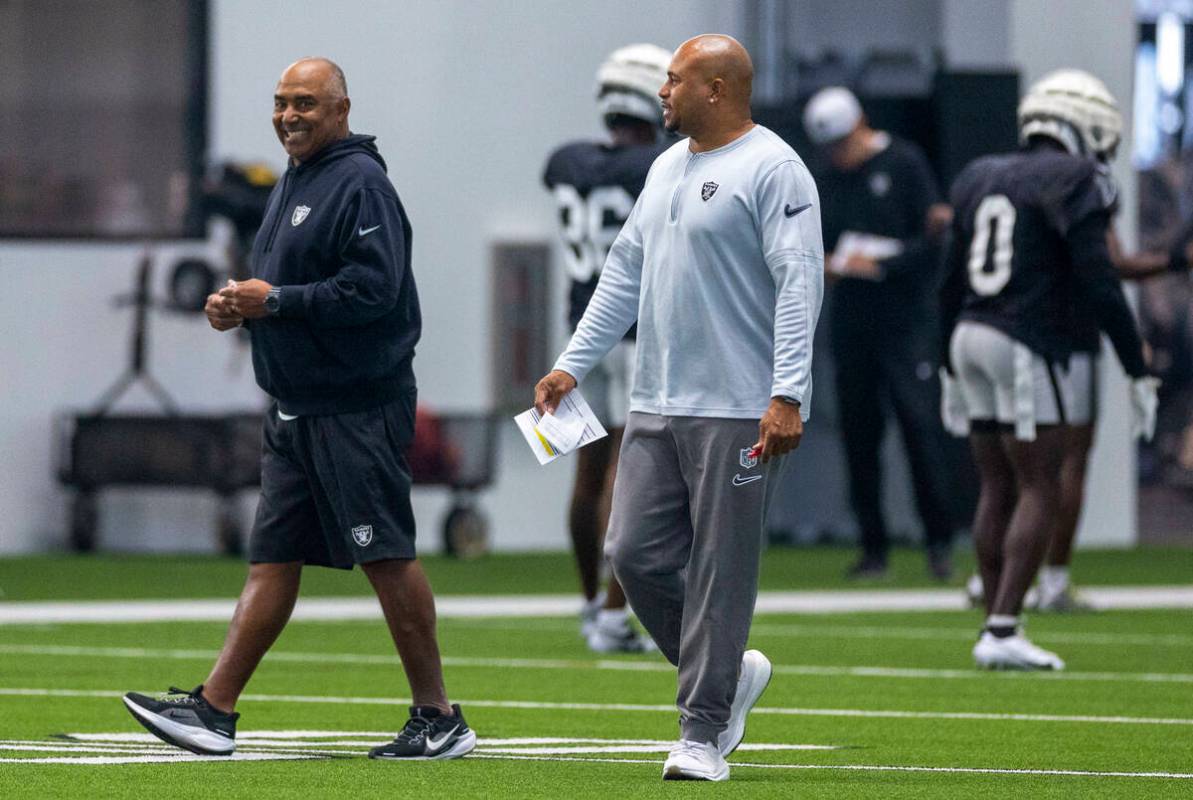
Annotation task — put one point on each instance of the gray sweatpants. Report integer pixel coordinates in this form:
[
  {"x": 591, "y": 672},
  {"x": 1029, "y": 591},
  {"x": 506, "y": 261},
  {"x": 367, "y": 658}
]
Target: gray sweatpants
[{"x": 684, "y": 540}]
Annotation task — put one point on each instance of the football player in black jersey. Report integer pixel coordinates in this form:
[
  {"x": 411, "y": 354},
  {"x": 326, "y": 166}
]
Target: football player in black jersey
[
  {"x": 1054, "y": 592},
  {"x": 595, "y": 185},
  {"x": 1030, "y": 252}
]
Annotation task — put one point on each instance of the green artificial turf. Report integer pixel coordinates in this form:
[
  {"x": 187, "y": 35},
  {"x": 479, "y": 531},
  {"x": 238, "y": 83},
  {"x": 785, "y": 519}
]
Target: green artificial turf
[
  {"x": 543, "y": 661},
  {"x": 110, "y": 576},
  {"x": 887, "y": 691}
]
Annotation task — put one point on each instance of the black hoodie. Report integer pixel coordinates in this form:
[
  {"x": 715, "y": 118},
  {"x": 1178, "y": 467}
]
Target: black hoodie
[{"x": 336, "y": 241}]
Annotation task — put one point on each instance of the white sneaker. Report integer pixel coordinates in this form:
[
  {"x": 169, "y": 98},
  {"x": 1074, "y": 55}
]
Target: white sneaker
[
  {"x": 1013, "y": 652},
  {"x": 695, "y": 761},
  {"x": 751, "y": 683},
  {"x": 589, "y": 611},
  {"x": 612, "y": 632}
]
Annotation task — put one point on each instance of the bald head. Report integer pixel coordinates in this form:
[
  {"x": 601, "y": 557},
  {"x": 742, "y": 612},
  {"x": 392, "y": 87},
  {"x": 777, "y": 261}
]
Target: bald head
[
  {"x": 322, "y": 71},
  {"x": 714, "y": 55}
]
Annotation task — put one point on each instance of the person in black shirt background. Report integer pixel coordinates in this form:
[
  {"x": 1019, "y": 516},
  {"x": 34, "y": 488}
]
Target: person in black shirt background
[{"x": 882, "y": 223}]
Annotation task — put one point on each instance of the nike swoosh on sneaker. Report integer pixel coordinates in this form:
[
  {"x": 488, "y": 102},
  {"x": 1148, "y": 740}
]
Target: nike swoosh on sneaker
[
  {"x": 738, "y": 480},
  {"x": 791, "y": 212},
  {"x": 367, "y": 231},
  {"x": 435, "y": 745}
]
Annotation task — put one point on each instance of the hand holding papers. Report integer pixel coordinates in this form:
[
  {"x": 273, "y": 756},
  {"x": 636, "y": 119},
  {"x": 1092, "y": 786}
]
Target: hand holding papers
[{"x": 572, "y": 426}]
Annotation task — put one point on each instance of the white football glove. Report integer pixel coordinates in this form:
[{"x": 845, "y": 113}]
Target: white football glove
[
  {"x": 1143, "y": 407},
  {"x": 953, "y": 412}
]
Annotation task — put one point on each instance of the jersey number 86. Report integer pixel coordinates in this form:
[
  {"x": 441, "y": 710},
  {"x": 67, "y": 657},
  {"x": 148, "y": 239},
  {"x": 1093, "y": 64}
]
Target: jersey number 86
[{"x": 590, "y": 226}]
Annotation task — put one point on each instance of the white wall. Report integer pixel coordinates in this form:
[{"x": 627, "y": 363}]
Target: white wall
[
  {"x": 1099, "y": 37},
  {"x": 854, "y": 26},
  {"x": 974, "y": 34},
  {"x": 467, "y": 99}
]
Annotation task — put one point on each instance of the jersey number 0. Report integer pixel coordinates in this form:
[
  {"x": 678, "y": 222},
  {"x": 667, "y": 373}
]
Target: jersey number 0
[
  {"x": 590, "y": 226},
  {"x": 995, "y": 215}
]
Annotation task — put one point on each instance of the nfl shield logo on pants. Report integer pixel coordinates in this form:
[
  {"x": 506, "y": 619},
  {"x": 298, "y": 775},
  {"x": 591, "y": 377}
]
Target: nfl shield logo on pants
[
  {"x": 706, "y": 191},
  {"x": 362, "y": 535},
  {"x": 748, "y": 459},
  {"x": 300, "y": 213}
]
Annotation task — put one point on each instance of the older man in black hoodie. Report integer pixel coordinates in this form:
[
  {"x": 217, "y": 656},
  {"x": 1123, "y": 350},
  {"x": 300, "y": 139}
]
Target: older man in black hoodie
[{"x": 334, "y": 317}]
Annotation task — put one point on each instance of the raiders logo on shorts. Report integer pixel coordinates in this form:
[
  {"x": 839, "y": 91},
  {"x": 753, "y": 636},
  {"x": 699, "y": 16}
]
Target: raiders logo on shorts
[{"x": 362, "y": 535}]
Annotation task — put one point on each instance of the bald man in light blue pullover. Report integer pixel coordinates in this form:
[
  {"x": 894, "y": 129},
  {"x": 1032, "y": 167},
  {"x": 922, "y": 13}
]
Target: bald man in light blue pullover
[{"x": 721, "y": 264}]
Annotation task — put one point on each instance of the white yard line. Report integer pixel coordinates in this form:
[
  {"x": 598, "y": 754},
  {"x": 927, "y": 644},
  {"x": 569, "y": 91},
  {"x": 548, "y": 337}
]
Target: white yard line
[
  {"x": 878, "y": 768},
  {"x": 769, "y": 629},
  {"x": 641, "y": 707},
  {"x": 43, "y": 746},
  {"x": 165, "y": 758},
  {"x": 764, "y": 628},
  {"x": 652, "y": 665},
  {"x": 534, "y": 606}
]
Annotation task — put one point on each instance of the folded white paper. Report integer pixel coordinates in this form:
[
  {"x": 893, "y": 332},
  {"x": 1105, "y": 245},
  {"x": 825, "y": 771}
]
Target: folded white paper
[
  {"x": 563, "y": 434},
  {"x": 868, "y": 245},
  {"x": 572, "y": 426}
]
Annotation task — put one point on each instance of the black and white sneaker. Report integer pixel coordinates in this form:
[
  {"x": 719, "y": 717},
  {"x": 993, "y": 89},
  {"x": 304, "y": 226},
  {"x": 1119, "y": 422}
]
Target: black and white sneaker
[
  {"x": 186, "y": 720},
  {"x": 429, "y": 735}
]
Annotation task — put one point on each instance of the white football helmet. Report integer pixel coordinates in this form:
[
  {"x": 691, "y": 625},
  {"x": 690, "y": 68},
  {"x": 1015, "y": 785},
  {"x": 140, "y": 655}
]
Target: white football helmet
[
  {"x": 629, "y": 80},
  {"x": 1074, "y": 108}
]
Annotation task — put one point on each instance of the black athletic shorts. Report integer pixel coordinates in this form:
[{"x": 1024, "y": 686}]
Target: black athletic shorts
[{"x": 335, "y": 490}]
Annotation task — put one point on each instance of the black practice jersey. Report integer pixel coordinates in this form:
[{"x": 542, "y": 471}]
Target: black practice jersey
[
  {"x": 595, "y": 186},
  {"x": 1029, "y": 248},
  {"x": 1087, "y": 337}
]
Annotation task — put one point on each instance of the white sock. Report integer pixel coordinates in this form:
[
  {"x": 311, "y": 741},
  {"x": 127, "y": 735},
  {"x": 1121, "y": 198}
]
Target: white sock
[
  {"x": 1000, "y": 623},
  {"x": 595, "y": 604},
  {"x": 1054, "y": 580}
]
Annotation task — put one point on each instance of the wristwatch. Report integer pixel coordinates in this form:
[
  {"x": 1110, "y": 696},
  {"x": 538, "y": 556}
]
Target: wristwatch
[
  {"x": 791, "y": 401},
  {"x": 273, "y": 301}
]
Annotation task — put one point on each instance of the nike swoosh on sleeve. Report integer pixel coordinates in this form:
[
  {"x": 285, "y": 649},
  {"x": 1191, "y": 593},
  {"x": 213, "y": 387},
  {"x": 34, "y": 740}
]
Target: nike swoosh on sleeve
[
  {"x": 367, "y": 231},
  {"x": 791, "y": 212}
]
